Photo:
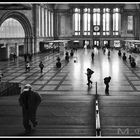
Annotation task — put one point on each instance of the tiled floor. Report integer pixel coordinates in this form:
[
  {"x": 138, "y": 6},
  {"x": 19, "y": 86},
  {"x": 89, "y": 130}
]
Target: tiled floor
[
  {"x": 77, "y": 105},
  {"x": 72, "y": 78}
]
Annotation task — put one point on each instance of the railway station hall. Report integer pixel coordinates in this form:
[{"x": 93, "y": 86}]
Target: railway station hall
[{"x": 70, "y": 69}]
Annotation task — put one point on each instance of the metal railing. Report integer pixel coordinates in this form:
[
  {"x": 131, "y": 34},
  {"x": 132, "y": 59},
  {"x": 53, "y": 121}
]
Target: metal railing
[
  {"x": 8, "y": 88},
  {"x": 97, "y": 115}
]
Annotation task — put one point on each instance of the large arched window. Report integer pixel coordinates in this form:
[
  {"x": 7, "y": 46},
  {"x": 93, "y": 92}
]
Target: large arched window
[{"x": 11, "y": 28}]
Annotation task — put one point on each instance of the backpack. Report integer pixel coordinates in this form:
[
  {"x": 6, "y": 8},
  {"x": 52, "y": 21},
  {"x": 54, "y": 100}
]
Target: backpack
[
  {"x": 41, "y": 65},
  {"x": 91, "y": 71},
  {"x": 106, "y": 80}
]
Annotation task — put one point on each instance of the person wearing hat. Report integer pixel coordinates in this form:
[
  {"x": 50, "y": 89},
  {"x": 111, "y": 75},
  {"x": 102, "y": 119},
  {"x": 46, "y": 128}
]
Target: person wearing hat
[{"x": 29, "y": 100}]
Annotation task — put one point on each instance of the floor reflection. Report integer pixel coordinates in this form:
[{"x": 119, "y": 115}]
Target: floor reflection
[{"x": 101, "y": 65}]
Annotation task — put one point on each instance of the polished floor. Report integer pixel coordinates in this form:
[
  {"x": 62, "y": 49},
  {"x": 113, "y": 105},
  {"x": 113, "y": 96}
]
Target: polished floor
[
  {"x": 68, "y": 105},
  {"x": 71, "y": 78}
]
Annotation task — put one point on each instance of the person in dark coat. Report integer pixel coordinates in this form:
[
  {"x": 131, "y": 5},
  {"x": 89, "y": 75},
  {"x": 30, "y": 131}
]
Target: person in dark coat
[
  {"x": 106, "y": 82},
  {"x": 92, "y": 55},
  {"x": 130, "y": 58},
  {"x": 41, "y": 65},
  {"x": 124, "y": 57},
  {"x": 71, "y": 53},
  {"x": 29, "y": 100},
  {"x": 58, "y": 63},
  {"x": 14, "y": 57},
  {"x": 89, "y": 74},
  {"x": 133, "y": 63},
  {"x": 67, "y": 56},
  {"x": 27, "y": 66},
  {"x": 119, "y": 53},
  {"x": 25, "y": 57}
]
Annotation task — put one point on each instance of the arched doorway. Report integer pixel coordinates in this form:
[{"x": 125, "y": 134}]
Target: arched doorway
[{"x": 18, "y": 34}]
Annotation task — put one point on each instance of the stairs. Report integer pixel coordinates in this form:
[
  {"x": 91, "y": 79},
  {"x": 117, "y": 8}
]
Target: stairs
[
  {"x": 57, "y": 116},
  {"x": 119, "y": 115}
]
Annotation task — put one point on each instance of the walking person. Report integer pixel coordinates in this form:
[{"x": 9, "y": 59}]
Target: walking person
[
  {"x": 89, "y": 74},
  {"x": 30, "y": 56},
  {"x": 130, "y": 58},
  {"x": 41, "y": 65},
  {"x": 124, "y": 57},
  {"x": 27, "y": 66},
  {"x": 106, "y": 81},
  {"x": 58, "y": 63},
  {"x": 92, "y": 55},
  {"x": 108, "y": 53},
  {"x": 29, "y": 100},
  {"x": 25, "y": 57},
  {"x": 14, "y": 57},
  {"x": 67, "y": 56}
]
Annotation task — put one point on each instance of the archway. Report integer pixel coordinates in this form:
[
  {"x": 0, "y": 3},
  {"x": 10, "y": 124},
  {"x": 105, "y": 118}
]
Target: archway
[{"x": 23, "y": 20}]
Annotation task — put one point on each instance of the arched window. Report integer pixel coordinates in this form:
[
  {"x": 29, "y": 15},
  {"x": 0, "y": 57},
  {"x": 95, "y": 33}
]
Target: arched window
[{"x": 11, "y": 28}]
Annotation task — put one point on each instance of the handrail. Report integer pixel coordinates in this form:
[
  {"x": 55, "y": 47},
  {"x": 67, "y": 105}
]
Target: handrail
[
  {"x": 98, "y": 127},
  {"x": 7, "y": 88}
]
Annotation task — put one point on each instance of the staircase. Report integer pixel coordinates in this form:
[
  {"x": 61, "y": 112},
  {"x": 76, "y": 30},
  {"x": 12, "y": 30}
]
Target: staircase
[
  {"x": 119, "y": 115},
  {"x": 58, "y": 115}
]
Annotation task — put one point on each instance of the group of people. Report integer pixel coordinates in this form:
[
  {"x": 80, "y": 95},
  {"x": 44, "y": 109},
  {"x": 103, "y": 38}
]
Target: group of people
[
  {"x": 28, "y": 57},
  {"x": 131, "y": 59},
  {"x": 104, "y": 51},
  {"x": 106, "y": 80}
]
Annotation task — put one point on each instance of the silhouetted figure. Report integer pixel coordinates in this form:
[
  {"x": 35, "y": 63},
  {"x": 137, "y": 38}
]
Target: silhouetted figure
[
  {"x": 106, "y": 82},
  {"x": 89, "y": 74},
  {"x": 71, "y": 53},
  {"x": 25, "y": 57},
  {"x": 92, "y": 55},
  {"x": 27, "y": 66},
  {"x": 30, "y": 56},
  {"x": 67, "y": 57},
  {"x": 104, "y": 50},
  {"x": 133, "y": 63},
  {"x": 14, "y": 57},
  {"x": 109, "y": 53},
  {"x": 29, "y": 101},
  {"x": 41, "y": 66},
  {"x": 58, "y": 58},
  {"x": 130, "y": 58},
  {"x": 58, "y": 63},
  {"x": 119, "y": 53},
  {"x": 124, "y": 57}
]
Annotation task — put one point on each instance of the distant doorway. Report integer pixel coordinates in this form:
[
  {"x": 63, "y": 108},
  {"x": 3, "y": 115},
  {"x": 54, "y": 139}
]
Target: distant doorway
[
  {"x": 86, "y": 44},
  {"x": 106, "y": 43},
  {"x": 96, "y": 43}
]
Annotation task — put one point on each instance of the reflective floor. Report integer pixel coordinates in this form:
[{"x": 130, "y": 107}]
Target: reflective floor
[
  {"x": 73, "y": 114},
  {"x": 71, "y": 78}
]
